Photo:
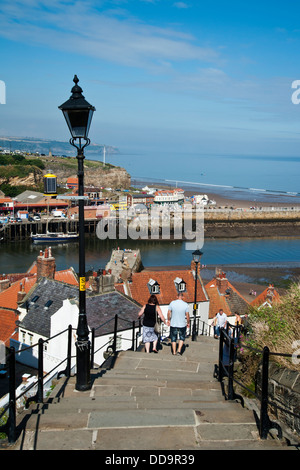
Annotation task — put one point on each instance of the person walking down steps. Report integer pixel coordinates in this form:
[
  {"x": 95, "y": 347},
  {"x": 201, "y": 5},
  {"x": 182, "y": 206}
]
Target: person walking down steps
[
  {"x": 150, "y": 311},
  {"x": 179, "y": 318}
]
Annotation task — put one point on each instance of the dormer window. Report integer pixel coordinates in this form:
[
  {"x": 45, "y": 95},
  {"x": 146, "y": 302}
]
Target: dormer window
[
  {"x": 180, "y": 284},
  {"x": 153, "y": 287},
  {"x": 47, "y": 304},
  {"x": 34, "y": 299}
]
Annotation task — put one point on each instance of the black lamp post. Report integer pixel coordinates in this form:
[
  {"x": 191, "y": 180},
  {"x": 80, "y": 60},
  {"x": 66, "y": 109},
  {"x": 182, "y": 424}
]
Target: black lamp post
[
  {"x": 78, "y": 114},
  {"x": 196, "y": 258}
]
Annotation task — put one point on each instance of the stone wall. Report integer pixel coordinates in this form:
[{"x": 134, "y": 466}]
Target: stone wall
[
  {"x": 284, "y": 392},
  {"x": 251, "y": 215}
]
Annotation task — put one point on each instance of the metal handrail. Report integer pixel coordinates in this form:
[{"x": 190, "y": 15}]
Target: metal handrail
[
  {"x": 10, "y": 426},
  {"x": 228, "y": 344}
]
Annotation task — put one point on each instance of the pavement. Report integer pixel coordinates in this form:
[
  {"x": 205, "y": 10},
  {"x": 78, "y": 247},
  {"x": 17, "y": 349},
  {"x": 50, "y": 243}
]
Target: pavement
[{"x": 146, "y": 402}]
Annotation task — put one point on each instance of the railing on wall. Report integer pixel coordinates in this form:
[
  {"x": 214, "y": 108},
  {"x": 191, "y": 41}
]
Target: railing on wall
[
  {"x": 229, "y": 340},
  {"x": 9, "y": 411},
  {"x": 227, "y": 358}
]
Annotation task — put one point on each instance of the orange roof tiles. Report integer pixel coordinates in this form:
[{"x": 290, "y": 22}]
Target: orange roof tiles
[
  {"x": 23, "y": 282},
  {"x": 8, "y": 325},
  {"x": 140, "y": 293},
  {"x": 230, "y": 303},
  {"x": 270, "y": 295},
  {"x": 216, "y": 301},
  {"x": 8, "y": 298},
  {"x": 67, "y": 275}
]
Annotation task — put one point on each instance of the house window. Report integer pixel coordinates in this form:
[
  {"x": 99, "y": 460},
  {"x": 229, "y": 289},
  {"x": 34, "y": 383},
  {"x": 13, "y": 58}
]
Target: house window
[
  {"x": 23, "y": 337},
  {"x": 180, "y": 284},
  {"x": 153, "y": 287}
]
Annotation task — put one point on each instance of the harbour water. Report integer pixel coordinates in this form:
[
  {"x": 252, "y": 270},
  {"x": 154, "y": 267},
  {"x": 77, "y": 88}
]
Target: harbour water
[{"x": 272, "y": 252}]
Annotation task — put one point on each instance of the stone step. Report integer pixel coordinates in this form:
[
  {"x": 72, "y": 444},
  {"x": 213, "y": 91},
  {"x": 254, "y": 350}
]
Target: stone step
[
  {"x": 147, "y": 401},
  {"x": 190, "y": 438},
  {"x": 135, "y": 439},
  {"x": 139, "y": 400}
]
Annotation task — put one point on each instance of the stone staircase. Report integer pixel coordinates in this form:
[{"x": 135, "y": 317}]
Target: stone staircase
[{"x": 145, "y": 402}]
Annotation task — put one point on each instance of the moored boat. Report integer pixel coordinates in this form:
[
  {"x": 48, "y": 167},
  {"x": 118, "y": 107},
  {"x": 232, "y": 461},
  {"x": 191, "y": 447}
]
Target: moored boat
[{"x": 54, "y": 237}]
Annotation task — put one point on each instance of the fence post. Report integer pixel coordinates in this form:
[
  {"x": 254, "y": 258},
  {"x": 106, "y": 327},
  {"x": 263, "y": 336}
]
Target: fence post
[
  {"x": 264, "y": 418},
  {"x": 93, "y": 348},
  {"x": 40, "y": 372},
  {"x": 221, "y": 341},
  {"x": 69, "y": 351},
  {"x": 11, "y": 431},
  {"x": 133, "y": 335},
  {"x": 115, "y": 333},
  {"x": 231, "y": 393}
]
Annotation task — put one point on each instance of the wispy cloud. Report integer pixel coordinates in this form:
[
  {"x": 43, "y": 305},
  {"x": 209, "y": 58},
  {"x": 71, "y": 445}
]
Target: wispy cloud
[
  {"x": 180, "y": 5},
  {"x": 84, "y": 28}
]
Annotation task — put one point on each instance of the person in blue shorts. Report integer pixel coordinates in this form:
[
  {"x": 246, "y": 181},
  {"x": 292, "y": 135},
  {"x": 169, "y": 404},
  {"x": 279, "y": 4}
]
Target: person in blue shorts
[{"x": 179, "y": 318}]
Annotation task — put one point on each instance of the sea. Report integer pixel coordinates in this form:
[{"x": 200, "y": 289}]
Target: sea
[
  {"x": 257, "y": 178},
  {"x": 254, "y": 178}
]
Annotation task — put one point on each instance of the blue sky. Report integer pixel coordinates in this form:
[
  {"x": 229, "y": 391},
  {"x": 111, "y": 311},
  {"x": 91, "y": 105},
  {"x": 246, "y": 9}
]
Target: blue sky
[{"x": 192, "y": 76}]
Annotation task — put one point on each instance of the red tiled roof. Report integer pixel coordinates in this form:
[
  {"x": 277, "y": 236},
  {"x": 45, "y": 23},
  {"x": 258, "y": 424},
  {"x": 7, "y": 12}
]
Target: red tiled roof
[
  {"x": 8, "y": 325},
  {"x": 226, "y": 302},
  {"x": 5, "y": 199},
  {"x": 216, "y": 301},
  {"x": 8, "y": 298},
  {"x": 66, "y": 275},
  {"x": 262, "y": 298},
  {"x": 140, "y": 293}
]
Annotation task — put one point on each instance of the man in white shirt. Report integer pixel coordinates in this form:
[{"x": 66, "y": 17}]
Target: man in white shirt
[
  {"x": 179, "y": 317},
  {"x": 220, "y": 321}
]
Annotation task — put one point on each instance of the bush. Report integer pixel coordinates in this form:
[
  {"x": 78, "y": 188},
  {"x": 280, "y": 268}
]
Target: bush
[
  {"x": 277, "y": 327},
  {"x": 3, "y": 421}
]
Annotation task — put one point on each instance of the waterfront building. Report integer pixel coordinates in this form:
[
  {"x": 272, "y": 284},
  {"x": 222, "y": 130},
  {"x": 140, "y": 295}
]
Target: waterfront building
[
  {"x": 33, "y": 201},
  {"x": 72, "y": 183},
  {"x": 146, "y": 199},
  {"x": 169, "y": 196},
  {"x": 6, "y": 205}
]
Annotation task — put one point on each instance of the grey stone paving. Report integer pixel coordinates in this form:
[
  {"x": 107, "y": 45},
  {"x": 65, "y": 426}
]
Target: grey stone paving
[{"x": 173, "y": 400}]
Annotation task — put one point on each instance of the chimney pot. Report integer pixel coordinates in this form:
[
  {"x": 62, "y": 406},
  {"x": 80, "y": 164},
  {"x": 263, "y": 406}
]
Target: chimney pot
[{"x": 222, "y": 282}]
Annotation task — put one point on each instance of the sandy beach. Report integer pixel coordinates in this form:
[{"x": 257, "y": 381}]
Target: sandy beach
[
  {"x": 222, "y": 201},
  {"x": 229, "y": 198}
]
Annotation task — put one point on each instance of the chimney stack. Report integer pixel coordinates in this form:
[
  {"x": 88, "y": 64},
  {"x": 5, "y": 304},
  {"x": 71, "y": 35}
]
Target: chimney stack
[
  {"x": 46, "y": 264},
  {"x": 21, "y": 294},
  {"x": 193, "y": 267},
  {"x": 4, "y": 284},
  {"x": 270, "y": 293},
  {"x": 102, "y": 283},
  {"x": 221, "y": 281}
]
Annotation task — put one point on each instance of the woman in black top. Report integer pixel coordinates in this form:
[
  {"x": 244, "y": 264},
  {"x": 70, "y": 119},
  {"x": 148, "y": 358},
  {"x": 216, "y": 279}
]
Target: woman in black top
[{"x": 149, "y": 311}]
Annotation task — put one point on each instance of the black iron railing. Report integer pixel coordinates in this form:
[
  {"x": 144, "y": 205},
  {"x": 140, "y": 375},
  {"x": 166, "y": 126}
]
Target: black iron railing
[
  {"x": 9, "y": 411},
  {"x": 229, "y": 340}
]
